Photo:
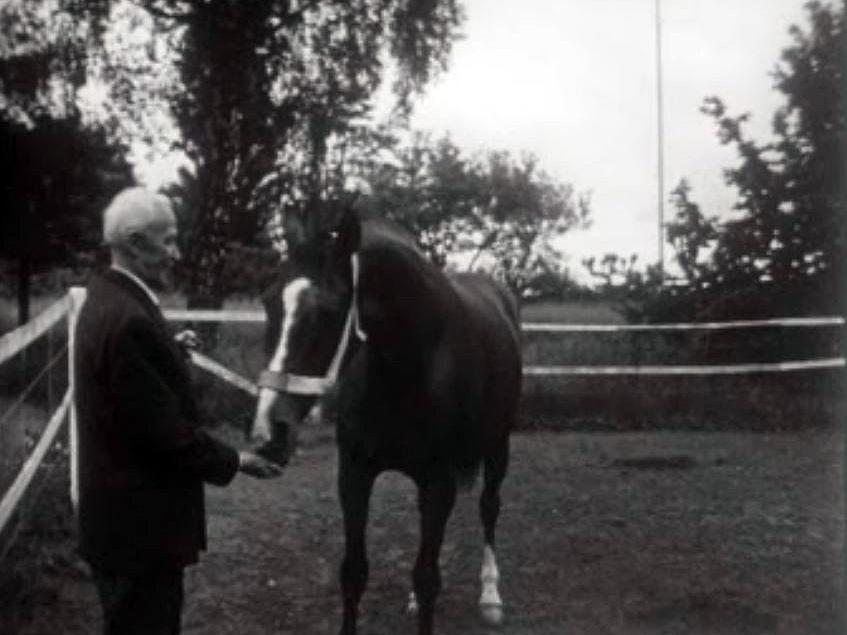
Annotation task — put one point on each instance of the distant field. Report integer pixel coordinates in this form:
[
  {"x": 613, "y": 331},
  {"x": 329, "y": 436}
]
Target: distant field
[{"x": 572, "y": 312}]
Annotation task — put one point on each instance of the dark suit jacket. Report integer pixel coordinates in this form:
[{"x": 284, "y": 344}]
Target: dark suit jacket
[{"x": 143, "y": 457}]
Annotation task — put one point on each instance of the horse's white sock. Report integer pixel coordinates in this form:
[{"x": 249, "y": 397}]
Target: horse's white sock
[{"x": 490, "y": 603}]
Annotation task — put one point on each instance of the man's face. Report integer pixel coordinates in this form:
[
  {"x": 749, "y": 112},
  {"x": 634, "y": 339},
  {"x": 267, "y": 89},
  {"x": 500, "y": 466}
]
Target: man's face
[{"x": 155, "y": 251}]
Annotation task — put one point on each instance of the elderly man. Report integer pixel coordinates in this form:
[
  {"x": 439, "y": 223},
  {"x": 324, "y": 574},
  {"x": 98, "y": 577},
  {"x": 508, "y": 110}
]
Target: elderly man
[{"x": 143, "y": 456}]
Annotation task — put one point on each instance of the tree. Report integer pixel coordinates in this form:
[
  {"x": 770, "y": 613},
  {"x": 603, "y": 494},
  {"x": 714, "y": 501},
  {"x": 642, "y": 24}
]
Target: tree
[
  {"x": 44, "y": 53},
  {"x": 784, "y": 249},
  {"x": 266, "y": 92},
  {"x": 691, "y": 234},
  {"x": 55, "y": 180},
  {"x": 57, "y": 172},
  {"x": 489, "y": 211}
]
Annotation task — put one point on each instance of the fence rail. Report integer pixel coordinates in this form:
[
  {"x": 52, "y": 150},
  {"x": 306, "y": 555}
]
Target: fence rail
[
  {"x": 688, "y": 369},
  {"x": 14, "y": 342},
  {"x": 68, "y": 306},
  {"x": 19, "y": 486},
  {"x": 244, "y": 315},
  {"x": 547, "y": 327}
]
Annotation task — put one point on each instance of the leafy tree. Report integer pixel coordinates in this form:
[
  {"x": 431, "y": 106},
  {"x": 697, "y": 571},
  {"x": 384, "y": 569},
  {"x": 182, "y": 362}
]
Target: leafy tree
[
  {"x": 44, "y": 53},
  {"x": 612, "y": 270},
  {"x": 55, "y": 179},
  {"x": 490, "y": 211},
  {"x": 57, "y": 172},
  {"x": 691, "y": 234},
  {"x": 784, "y": 248},
  {"x": 266, "y": 93}
]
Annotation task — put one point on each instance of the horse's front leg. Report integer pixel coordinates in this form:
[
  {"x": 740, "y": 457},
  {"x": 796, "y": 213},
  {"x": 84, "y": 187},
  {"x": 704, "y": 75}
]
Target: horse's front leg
[
  {"x": 354, "y": 488},
  {"x": 496, "y": 464},
  {"x": 435, "y": 502}
]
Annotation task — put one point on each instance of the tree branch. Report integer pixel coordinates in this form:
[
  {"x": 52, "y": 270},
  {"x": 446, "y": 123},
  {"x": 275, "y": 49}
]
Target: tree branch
[{"x": 182, "y": 17}]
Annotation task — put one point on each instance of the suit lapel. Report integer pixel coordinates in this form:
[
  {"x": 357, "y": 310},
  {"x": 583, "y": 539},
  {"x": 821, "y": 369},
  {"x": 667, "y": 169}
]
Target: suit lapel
[
  {"x": 131, "y": 287},
  {"x": 153, "y": 311}
]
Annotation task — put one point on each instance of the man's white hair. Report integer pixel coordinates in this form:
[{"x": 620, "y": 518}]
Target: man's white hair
[{"x": 133, "y": 209}]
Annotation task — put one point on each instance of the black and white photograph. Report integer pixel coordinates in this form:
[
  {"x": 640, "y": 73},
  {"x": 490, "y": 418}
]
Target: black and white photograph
[{"x": 445, "y": 317}]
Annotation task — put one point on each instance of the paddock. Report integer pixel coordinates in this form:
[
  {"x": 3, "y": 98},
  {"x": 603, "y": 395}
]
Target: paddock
[
  {"x": 622, "y": 533},
  {"x": 626, "y": 532}
]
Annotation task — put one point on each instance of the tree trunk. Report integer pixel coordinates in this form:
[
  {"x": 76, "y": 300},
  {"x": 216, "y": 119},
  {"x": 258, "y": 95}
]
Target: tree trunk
[{"x": 24, "y": 277}]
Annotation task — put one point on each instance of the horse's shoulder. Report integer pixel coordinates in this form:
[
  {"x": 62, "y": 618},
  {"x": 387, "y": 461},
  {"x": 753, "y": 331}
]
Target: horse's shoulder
[{"x": 485, "y": 298}]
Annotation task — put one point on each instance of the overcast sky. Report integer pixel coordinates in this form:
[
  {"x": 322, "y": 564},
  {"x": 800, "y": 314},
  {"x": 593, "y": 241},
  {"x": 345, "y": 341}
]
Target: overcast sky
[{"x": 574, "y": 82}]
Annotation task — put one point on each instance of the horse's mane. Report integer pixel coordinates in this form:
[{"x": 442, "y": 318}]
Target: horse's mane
[{"x": 379, "y": 232}]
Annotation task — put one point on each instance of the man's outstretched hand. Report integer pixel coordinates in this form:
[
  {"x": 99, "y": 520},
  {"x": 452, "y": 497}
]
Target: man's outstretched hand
[
  {"x": 187, "y": 340},
  {"x": 257, "y": 467}
]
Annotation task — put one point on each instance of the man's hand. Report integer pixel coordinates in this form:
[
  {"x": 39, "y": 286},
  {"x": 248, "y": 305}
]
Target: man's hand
[
  {"x": 257, "y": 467},
  {"x": 282, "y": 446},
  {"x": 188, "y": 340}
]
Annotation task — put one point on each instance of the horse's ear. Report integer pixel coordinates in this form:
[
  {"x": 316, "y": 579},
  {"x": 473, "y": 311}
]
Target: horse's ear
[{"x": 349, "y": 231}]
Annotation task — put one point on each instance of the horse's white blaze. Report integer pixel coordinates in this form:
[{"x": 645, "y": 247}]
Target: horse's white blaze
[
  {"x": 490, "y": 603},
  {"x": 291, "y": 295},
  {"x": 262, "y": 420}
]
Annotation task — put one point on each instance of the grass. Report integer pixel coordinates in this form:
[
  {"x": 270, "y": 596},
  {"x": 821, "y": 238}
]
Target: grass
[
  {"x": 38, "y": 542},
  {"x": 619, "y": 534}
]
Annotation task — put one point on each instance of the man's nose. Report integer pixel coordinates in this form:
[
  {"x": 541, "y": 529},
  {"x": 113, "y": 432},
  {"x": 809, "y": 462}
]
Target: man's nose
[{"x": 176, "y": 254}]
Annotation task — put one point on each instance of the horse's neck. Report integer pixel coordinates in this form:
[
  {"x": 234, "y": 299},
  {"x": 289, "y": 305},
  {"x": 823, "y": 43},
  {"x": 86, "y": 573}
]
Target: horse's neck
[{"x": 403, "y": 297}]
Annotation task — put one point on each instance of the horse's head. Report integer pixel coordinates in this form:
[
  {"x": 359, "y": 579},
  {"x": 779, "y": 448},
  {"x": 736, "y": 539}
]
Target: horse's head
[{"x": 313, "y": 320}]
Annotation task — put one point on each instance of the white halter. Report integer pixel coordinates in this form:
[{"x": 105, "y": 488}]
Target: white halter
[{"x": 311, "y": 385}]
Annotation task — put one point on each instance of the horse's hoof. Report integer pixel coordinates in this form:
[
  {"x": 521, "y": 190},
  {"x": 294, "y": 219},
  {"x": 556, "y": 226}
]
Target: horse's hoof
[
  {"x": 412, "y": 604},
  {"x": 492, "y": 614}
]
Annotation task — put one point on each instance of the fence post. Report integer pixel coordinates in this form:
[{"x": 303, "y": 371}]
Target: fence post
[{"x": 76, "y": 295}]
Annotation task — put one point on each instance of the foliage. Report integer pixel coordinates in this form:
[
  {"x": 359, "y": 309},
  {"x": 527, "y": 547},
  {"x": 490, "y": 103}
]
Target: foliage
[
  {"x": 266, "y": 92},
  {"x": 56, "y": 179},
  {"x": 492, "y": 212},
  {"x": 783, "y": 250},
  {"x": 690, "y": 233},
  {"x": 57, "y": 172},
  {"x": 44, "y": 53}
]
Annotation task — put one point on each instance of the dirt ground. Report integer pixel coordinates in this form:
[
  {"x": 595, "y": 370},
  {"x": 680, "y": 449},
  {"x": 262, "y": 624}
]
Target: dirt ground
[{"x": 630, "y": 534}]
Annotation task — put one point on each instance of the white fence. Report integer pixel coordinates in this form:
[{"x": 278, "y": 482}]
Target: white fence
[{"x": 68, "y": 308}]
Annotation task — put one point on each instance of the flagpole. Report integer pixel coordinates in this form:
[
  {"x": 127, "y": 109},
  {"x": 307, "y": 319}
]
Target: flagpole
[{"x": 660, "y": 142}]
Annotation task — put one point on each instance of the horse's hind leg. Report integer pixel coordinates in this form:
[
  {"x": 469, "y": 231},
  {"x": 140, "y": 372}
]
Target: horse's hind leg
[
  {"x": 354, "y": 489},
  {"x": 435, "y": 502},
  {"x": 496, "y": 463}
]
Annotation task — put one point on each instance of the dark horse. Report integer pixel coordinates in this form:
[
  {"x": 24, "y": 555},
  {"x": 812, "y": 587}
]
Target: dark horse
[{"x": 428, "y": 374}]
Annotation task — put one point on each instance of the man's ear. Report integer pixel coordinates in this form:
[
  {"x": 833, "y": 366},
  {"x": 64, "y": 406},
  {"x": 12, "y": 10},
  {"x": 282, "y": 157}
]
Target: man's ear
[
  {"x": 136, "y": 242},
  {"x": 349, "y": 231}
]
